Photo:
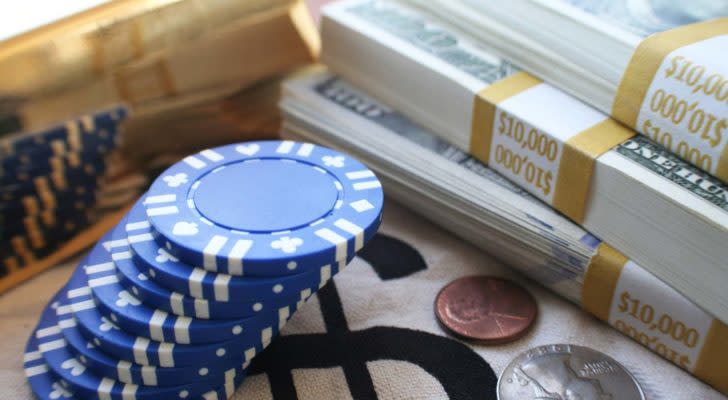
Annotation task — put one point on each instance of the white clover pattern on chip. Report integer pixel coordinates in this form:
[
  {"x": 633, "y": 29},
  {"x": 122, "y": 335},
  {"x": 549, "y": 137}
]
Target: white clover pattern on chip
[{"x": 204, "y": 270}]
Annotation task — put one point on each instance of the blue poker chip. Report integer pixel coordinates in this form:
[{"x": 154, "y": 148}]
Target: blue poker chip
[
  {"x": 85, "y": 383},
  {"x": 43, "y": 382},
  {"x": 71, "y": 135},
  {"x": 80, "y": 198},
  {"x": 23, "y": 249},
  {"x": 64, "y": 166},
  {"x": 168, "y": 271},
  {"x": 47, "y": 222},
  {"x": 46, "y": 156},
  {"x": 122, "y": 370},
  {"x": 126, "y": 310},
  {"x": 57, "y": 182},
  {"x": 37, "y": 234},
  {"x": 151, "y": 293},
  {"x": 111, "y": 339},
  {"x": 19, "y": 173},
  {"x": 265, "y": 208}
]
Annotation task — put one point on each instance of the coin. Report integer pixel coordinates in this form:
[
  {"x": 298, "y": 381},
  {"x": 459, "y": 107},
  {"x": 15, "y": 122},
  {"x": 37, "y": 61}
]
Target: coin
[
  {"x": 567, "y": 372},
  {"x": 489, "y": 309}
]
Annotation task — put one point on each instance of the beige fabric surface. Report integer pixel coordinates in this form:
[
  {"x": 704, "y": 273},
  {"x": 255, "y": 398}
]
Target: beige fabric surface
[{"x": 372, "y": 304}]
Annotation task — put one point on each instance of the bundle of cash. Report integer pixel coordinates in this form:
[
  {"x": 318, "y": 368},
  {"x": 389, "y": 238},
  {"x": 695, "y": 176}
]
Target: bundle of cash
[
  {"x": 233, "y": 56},
  {"x": 92, "y": 43},
  {"x": 478, "y": 204},
  {"x": 225, "y": 116},
  {"x": 650, "y": 205},
  {"x": 657, "y": 66}
]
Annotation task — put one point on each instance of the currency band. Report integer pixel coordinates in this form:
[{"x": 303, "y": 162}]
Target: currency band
[
  {"x": 675, "y": 90},
  {"x": 155, "y": 80},
  {"x": 621, "y": 293},
  {"x": 101, "y": 46},
  {"x": 551, "y": 154}
]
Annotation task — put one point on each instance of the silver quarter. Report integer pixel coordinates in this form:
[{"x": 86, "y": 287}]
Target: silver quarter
[{"x": 566, "y": 372}]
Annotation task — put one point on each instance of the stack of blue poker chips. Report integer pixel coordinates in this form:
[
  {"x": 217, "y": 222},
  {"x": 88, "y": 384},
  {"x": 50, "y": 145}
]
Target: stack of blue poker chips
[
  {"x": 51, "y": 175},
  {"x": 203, "y": 273}
]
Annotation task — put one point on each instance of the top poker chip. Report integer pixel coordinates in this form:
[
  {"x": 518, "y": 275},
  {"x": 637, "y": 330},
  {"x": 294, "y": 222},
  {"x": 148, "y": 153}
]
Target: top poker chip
[{"x": 265, "y": 208}]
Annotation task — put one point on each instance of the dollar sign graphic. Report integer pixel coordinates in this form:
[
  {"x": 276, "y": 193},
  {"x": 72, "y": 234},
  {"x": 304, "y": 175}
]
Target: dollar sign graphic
[{"x": 463, "y": 374}]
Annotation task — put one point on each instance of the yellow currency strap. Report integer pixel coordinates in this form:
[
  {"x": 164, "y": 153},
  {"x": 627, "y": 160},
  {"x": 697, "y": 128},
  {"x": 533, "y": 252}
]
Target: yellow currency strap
[
  {"x": 600, "y": 281},
  {"x": 648, "y": 57},
  {"x": 646, "y": 61},
  {"x": 579, "y": 153},
  {"x": 577, "y": 165},
  {"x": 600, "y": 284},
  {"x": 711, "y": 364},
  {"x": 486, "y": 101}
]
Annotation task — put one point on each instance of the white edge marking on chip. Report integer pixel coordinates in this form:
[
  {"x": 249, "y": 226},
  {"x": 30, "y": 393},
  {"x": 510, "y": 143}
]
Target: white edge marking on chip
[
  {"x": 155, "y": 325},
  {"x": 283, "y": 314},
  {"x": 211, "y": 155},
  {"x": 360, "y": 174},
  {"x": 334, "y": 238},
  {"x": 367, "y": 185},
  {"x": 211, "y": 395},
  {"x": 166, "y": 354},
  {"x": 285, "y": 147},
  {"x": 80, "y": 306},
  {"x": 67, "y": 323},
  {"x": 142, "y": 237},
  {"x": 266, "y": 335},
  {"x": 37, "y": 370},
  {"x": 220, "y": 285},
  {"x": 209, "y": 253},
  {"x": 352, "y": 228},
  {"x": 235, "y": 257},
  {"x": 161, "y": 198},
  {"x": 176, "y": 303},
  {"x": 361, "y": 205},
  {"x": 137, "y": 226},
  {"x": 123, "y": 369},
  {"x": 250, "y": 354},
  {"x": 78, "y": 292},
  {"x": 202, "y": 308},
  {"x": 31, "y": 356},
  {"x": 194, "y": 162},
  {"x": 194, "y": 281},
  {"x": 140, "y": 350},
  {"x": 96, "y": 268},
  {"x": 156, "y": 211},
  {"x": 149, "y": 375},
  {"x": 305, "y": 150},
  {"x": 52, "y": 345},
  {"x": 128, "y": 392},
  {"x": 182, "y": 330},
  {"x": 230, "y": 382},
  {"x": 103, "y": 281},
  {"x": 325, "y": 275},
  {"x": 112, "y": 244},
  {"x": 104, "y": 389},
  {"x": 49, "y": 331},
  {"x": 122, "y": 255}
]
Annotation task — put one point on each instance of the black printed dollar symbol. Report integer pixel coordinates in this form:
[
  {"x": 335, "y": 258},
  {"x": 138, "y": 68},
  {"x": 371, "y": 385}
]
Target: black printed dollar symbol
[{"x": 463, "y": 374}]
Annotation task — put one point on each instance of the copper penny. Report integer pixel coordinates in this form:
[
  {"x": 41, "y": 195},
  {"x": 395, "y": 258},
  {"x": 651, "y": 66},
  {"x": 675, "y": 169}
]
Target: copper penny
[{"x": 487, "y": 309}]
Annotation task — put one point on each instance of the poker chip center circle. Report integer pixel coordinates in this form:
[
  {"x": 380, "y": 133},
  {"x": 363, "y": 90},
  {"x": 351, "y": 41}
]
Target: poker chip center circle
[{"x": 269, "y": 195}]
